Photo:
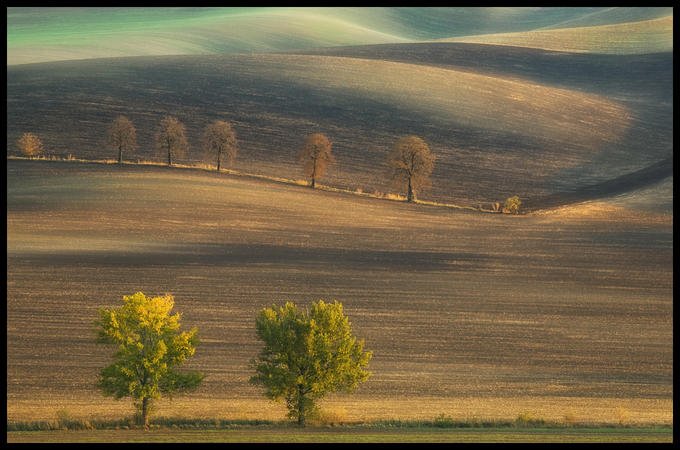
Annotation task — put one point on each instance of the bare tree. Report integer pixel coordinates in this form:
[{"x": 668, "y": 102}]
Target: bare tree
[
  {"x": 122, "y": 136},
  {"x": 411, "y": 163},
  {"x": 219, "y": 138},
  {"x": 315, "y": 156},
  {"x": 171, "y": 138},
  {"x": 30, "y": 145}
]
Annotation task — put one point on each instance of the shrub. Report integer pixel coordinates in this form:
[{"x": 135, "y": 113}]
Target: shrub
[
  {"x": 32, "y": 426},
  {"x": 528, "y": 419},
  {"x": 397, "y": 197},
  {"x": 66, "y": 422},
  {"x": 335, "y": 416},
  {"x": 512, "y": 205},
  {"x": 443, "y": 421}
]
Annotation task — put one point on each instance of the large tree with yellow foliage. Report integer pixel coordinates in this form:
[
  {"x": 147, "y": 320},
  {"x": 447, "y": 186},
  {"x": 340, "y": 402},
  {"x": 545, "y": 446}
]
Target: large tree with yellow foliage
[{"x": 149, "y": 348}]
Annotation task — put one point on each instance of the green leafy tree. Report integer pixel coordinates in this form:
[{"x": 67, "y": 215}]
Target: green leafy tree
[
  {"x": 512, "y": 205},
  {"x": 307, "y": 354},
  {"x": 150, "y": 346},
  {"x": 171, "y": 138},
  {"x": 219, "y": 139},
  {"x": 410, "y": 164},
  {"x": 316, "y": 156}
]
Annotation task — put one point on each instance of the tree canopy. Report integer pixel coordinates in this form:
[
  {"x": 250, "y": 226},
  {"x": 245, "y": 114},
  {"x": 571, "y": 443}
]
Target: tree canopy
[
  {"x": 512, "y": 204},
  {"x": 307, "y": 354},
  {"x": 150, "y": 347},
  {"x": 219, "y": 139},
  {"x": 30, "y": 145},
  {"x": 122, "y": 135},
  {"x": 171, "y": 138},
  {"x": 316, "y": 156},
  {"x": 411, "y": 163}
]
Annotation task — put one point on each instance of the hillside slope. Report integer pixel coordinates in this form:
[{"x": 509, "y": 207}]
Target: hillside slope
[
  {"x": 533, "y": 313},
  {"x": 652, "y": 203},
  {"x": 649, "y": 36},
  {"x": 496, "y": 131},
  {"x": 52, "y": 34}
]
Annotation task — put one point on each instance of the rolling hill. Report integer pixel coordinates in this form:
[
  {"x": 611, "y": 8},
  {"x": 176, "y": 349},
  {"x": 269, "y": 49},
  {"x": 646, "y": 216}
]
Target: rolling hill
[
  {"x": 548, "y": 313},
  {"x": 502, "y": 120},
  {"x": 51, "y": 34},
  {"x": 565, "y": 313},
  {"x": 648, "y": 36}
]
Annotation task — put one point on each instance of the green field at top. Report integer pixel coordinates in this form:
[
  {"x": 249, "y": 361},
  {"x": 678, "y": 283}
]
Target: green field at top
[{"x": 52, "y": 34}]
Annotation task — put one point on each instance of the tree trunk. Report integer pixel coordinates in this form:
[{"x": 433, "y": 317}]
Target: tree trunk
[
  {"x": 145, "y": 412},
  {"x": 301, "y": 407},
  {"x": 409, "y": 195},
  {"x": 120, "y": 154},
  {"x": 218, "y": 161},
  {"x": 169, "y": 157},
  {"x": 313, "y": 175}
]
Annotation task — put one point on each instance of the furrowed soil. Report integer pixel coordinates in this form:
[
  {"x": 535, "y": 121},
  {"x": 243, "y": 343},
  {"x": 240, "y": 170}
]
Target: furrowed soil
[
  {"x": 467, "y": 314},
  {"x": 547, "y": 126}
]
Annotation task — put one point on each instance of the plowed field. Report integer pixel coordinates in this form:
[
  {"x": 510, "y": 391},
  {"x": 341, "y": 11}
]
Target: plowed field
[{"x": 466, "y": 313}]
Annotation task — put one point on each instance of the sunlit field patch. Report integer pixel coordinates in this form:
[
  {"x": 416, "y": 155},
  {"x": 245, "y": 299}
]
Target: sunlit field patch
[
  {"x": 647, "y": 36},
  {"x": 575, "y": 313}
]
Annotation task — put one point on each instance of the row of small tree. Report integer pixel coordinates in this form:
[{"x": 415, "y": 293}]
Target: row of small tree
[
  {"x": 306, "y": 354},
  {"x": 410, "y": 160},
  {"x": 219, "y": 139}
]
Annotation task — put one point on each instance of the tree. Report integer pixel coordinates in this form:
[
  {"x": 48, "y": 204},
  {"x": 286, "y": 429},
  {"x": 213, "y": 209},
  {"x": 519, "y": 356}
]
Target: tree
[
  {"x": 171, "y": 138},
  {"x": 30, "y": 145},
  {"x": 315, "y": 156},
  {"x": 307, "y": 354},
  {"x": 512, "y": 205},
  {"x": 150, "y": 346},
  {"x": 411, "y": 163},
  {"x": 122, "y": 136},
  {"x": 219, "y": 138}
]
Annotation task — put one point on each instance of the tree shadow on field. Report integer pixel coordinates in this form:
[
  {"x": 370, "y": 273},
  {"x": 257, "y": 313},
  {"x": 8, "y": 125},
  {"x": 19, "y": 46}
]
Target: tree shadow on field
[{"x": 266, "y": 254}]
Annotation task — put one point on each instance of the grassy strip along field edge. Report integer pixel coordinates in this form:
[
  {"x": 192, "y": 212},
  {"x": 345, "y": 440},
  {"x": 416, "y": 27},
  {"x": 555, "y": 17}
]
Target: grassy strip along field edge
[
  {"x": 212, "y": 169},
  {"x": 351, "y": 434},
  {"x": 64, "y": 422}
]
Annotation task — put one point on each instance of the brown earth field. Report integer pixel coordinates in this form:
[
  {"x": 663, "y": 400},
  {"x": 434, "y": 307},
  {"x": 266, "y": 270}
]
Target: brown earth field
[
  {"x": 563, "y": 314},
  {"x": 551, "y": 127}
]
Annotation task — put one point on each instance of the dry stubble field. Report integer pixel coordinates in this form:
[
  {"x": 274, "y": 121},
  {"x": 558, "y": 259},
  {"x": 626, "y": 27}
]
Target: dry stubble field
[{"x": 467, "y": 314}]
